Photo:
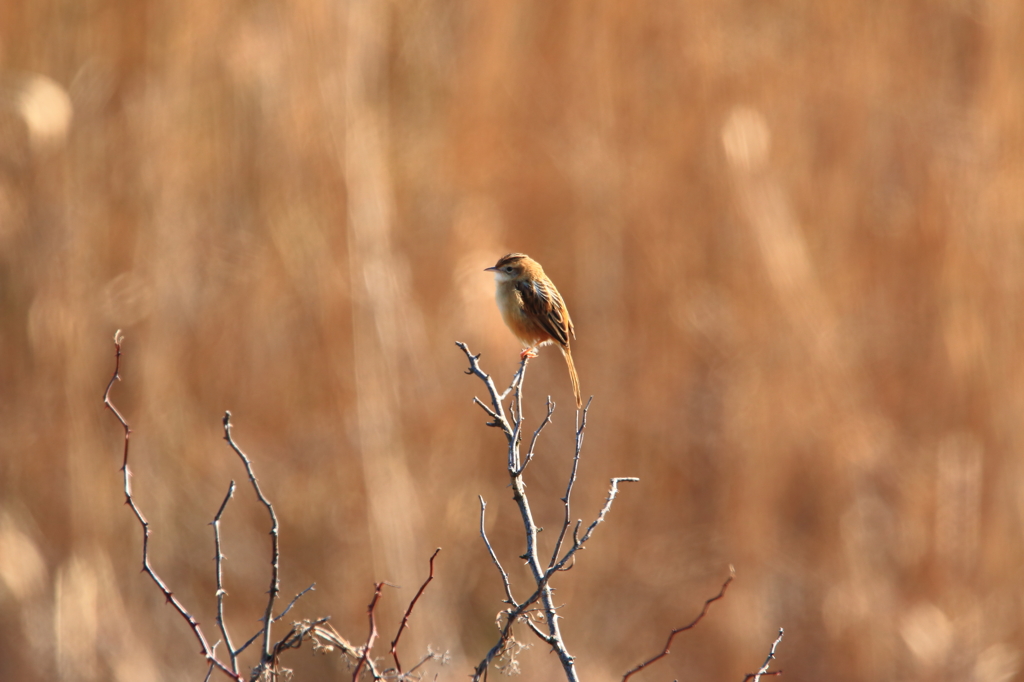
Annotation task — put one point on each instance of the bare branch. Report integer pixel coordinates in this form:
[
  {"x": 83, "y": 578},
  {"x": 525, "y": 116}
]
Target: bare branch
[
  {"x": 763, "y": 672},
  {"x": 221, "y": 592},
  {"x": 249, "y": 641},
  {"x": 496, "y": 650},
  {"x": 578, "y": 543},
  {"x": 541, "y": 575},
  {"x": 431, "y": 656},
  {"x": 536, "y": 434},
  {"x": 540, "y": 633},
  {"x": 408, "y": 611},
  {"x": 323, "y": 636},
  {"x": 292, "y": 602},
  {"x": 494, "y": 557},
  {"x": 497, "y": 413},
  {"x": 205, "y": 649},
  {"x": 668, "y": 644},
  {"x": 572, "y": 480},
  {"x": 275, "y": 565},
  {"x": 490, "y": 413}
]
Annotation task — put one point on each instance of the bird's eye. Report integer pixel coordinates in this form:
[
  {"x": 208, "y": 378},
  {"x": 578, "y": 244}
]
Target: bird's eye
[{"x": 508, "y": 269}]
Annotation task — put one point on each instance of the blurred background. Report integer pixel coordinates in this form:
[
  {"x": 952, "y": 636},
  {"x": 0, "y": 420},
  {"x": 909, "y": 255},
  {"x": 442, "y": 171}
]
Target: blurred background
[{"x": 791, "y": 236}]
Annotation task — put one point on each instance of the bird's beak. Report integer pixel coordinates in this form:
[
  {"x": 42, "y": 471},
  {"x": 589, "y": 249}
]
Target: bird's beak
[{"x": 491, "y": 269}]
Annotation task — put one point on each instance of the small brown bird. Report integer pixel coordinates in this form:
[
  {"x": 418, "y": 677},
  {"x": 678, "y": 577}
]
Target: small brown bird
[{"x": 533, "y": 309}]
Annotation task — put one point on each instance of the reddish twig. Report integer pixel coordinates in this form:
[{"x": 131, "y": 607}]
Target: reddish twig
[
  {"x": 371, "y": 638},
  {"x": 408, "y": 611},
  {"x": 205, "y": 648},
  {"x": 763, "y": 672},
  {"x": 672, "y": 635}
]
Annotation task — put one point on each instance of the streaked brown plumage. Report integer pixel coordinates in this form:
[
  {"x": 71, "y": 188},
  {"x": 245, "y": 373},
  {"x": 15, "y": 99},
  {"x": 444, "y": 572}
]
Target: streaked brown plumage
[{"x": 534, "y": 310}]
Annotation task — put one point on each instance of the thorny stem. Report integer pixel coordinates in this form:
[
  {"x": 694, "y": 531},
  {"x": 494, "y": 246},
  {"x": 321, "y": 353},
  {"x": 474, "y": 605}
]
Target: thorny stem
[
  {"x": 221, "y": 592},
  {"x": 371, "y": 610},
  {"x": 275, "y": 563},
  {"x": 763, "y": 672},
  {"x": 494, "y": 557},
  {"x": 408, "y": 611},
  {"x": 292, "y": 602},
  {"x": 205, "y": 649},
  {"x": 267, "y": 667}
]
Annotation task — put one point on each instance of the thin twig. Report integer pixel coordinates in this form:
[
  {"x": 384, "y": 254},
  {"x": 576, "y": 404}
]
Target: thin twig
[
  {"x": 763, "y": 672},
  {"x": 221, "y": 592},
  {"x": 259, "y": 632},
  {"x": 540, "y": 633},
  {"x": 496, "y": 419},
  {"x": 431, "y": 656},
  {"x": 517, "y": 378},
  {"x": 668, "y": 644},
  {"x": 205, "y": 649},
  {"x": 249, "y": 641},
  {"x": 613, "y": 491},
  {"x": 496, "y": 412},
  {"x": 275, "y": 563},
  {"x": 503, "y": 637},
  {"x": 408, "y": 611},
  {"x": 494, "y": 557},
  {"x": 536, "y": 434},
  {"x": 516, "y": 408},
  {"x": 581, "y": 425},
  {"x": 292, "y": 602}
]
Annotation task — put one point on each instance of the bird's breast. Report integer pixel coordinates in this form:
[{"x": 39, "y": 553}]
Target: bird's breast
[{"x": 510, "y": 303}]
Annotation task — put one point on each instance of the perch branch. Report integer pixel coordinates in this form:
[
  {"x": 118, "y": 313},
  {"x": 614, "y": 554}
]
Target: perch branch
[{"x": 517, "y": 464}]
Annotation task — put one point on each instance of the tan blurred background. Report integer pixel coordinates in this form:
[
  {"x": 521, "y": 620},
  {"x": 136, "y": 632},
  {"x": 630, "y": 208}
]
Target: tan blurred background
[{"x": 791, "y": 235}]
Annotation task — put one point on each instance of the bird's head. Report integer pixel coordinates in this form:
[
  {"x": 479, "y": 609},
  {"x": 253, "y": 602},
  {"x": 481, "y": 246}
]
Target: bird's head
[{"x": 514, "y": 267}]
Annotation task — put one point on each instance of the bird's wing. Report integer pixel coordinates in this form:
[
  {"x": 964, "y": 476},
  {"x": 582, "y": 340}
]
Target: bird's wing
[{"x": 544, "y": 304}]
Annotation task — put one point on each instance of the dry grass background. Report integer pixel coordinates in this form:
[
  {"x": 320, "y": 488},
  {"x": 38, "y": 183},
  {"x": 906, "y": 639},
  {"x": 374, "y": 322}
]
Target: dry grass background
[{"x": 791, "y": 235}]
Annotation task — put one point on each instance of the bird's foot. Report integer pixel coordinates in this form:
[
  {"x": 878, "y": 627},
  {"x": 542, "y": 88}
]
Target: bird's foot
[{"x": 528, "y": 353}]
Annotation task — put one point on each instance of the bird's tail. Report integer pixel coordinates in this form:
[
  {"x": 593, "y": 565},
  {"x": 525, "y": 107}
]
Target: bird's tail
[{"x": 573, "y": 377}]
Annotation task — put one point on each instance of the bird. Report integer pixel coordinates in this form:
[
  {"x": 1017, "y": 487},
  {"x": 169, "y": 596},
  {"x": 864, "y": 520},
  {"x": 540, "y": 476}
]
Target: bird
[{"x": 534, "y": 310}]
